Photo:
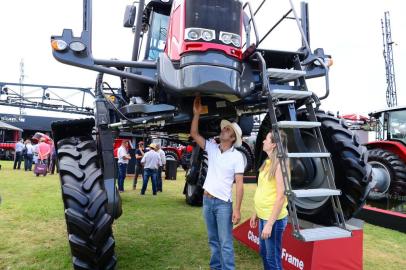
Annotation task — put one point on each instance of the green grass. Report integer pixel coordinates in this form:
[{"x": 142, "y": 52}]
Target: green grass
[{"x": 159, "y": 232}]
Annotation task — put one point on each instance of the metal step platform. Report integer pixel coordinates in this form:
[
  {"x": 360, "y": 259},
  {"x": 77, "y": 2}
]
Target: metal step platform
[
  {"x": 308, "y": 155},
  {"x": 285, "y": 74},
  {"x": 323, "y": 233},
  {"x": 290, "y": 94},
  {"x": 298, "y": 124},
  {"x": 317, "y": 192}
]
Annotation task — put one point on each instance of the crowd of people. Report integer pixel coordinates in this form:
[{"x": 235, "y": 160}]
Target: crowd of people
[
  {"x": 149, "y": 164},
  {"x": 34, "y": 152},
  {"x": 225, "y": 167}
]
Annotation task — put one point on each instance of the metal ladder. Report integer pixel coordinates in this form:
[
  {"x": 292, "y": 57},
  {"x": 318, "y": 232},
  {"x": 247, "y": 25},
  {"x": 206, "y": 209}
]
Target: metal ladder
[{"x": 291, "y": 96}]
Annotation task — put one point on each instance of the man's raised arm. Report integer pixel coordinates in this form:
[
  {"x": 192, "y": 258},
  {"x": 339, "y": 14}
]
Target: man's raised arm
[{"x": 194, "y": 128}]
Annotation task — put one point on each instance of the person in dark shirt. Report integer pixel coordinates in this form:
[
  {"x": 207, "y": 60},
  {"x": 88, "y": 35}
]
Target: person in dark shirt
[{"x": 139, "y": 154}]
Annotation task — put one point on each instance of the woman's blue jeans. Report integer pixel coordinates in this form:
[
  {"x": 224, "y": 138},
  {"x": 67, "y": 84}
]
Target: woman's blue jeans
[
  {"x": 271, "y": 248},
  {"x": 218, "y": 214}
]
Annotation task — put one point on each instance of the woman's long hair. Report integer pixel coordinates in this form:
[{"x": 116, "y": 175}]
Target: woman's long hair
[{"x": 274, "y": 155}]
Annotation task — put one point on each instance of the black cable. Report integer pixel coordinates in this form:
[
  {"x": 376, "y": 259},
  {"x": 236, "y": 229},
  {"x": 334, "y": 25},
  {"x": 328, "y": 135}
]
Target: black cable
[
  {"x": 114, "y": 106},
  {"x": 114, "y": 94}
]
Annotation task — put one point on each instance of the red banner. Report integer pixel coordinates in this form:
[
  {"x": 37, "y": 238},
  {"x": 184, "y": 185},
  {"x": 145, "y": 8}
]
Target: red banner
[{"x": 335, "y": 254}]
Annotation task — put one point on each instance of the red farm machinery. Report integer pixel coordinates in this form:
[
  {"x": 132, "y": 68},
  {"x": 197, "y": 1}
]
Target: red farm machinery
[{"x": 181, "y": 49}]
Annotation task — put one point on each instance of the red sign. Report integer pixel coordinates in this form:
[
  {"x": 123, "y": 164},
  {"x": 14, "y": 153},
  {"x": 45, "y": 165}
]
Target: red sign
[{"x": 335, "y": 254}]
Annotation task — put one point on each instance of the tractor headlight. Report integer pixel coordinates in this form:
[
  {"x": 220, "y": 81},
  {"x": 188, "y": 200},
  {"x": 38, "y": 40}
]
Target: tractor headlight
[
  {"x": 59, "y": 45},
  {"x": 225, "y": 38},
  {"x": 208, "y": 35},
  {"x": 236, "y": 40},
  {"x": 199, "y": 33},
  {"x": 77, "y": 46},
  {"x": 228, "y": 38},
  {"x": 193, "y": 35}
]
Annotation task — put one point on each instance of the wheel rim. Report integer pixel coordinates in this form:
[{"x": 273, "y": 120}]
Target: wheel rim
[
  {"x": 381, "y": 174},
  {"x": 170, "y": 158},
  {"x": 317, "y": 182}
]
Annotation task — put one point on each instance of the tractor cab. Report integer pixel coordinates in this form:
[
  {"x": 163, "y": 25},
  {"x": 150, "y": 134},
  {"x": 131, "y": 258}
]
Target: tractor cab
[
  {"x": 155, "y": 22},
  {"x": 387, "y": 155},
  {"x": 186, "y": 38},
  {"x": 391, "y": 124}
]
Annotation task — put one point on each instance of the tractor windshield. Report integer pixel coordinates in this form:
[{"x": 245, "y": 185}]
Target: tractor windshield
[
  {"x": 397, "y": 126},
  {"x": 158, "y": 33},
  {"x": 218, "y": 15}
]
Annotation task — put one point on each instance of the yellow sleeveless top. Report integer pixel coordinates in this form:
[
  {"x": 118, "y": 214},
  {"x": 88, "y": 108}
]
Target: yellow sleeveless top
[{"x": 265, "y": 195}]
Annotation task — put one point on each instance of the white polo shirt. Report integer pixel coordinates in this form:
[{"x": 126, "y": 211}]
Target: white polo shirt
[
  {"x": 151, "y": 160},
  {"x": 122, "y": 151},
  {"x": 221, "y": 171}
]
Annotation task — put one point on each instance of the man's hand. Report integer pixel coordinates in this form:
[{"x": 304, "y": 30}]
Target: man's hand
[
  {"x": 253, "y": 221},
  {"x": 236, "y": 217},
  {"x": 197, "y": 106}
]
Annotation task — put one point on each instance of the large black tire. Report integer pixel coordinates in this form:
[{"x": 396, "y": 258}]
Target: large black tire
[
  {"x": 248, "y": 156},
  {"x": 195, "y": 178},
  {"x": 396, "y": 169},
  {"x": 169, "y": 154},
  {"x": 351, "y": 170},
  {"x": 85, "y": 202}
]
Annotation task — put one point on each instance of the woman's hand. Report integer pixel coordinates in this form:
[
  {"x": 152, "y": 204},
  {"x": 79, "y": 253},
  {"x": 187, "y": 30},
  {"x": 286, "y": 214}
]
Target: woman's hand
[
  {"x": 267, "y": 230},
  {"x": 253, "y": 221}
]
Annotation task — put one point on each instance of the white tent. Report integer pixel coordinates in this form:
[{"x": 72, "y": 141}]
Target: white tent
[{"x": 4, "y": 125}]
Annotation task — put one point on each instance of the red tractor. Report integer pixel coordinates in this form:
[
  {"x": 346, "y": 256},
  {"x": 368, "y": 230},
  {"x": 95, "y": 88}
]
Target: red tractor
[
  {"x": 184, "y": 48},
  {"x": 387, "y": 155}
]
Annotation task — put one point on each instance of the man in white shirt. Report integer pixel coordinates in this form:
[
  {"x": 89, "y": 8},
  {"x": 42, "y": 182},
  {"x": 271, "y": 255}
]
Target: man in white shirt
[
  {"x": 123, "y": 158},
  {"x": 28, "y": 156},
  {"x": 151, "y": 162},
  {"x": 225, "y": 164},
  {"x": 163, "y": 162},
  {"x": 18, "y": 155}
]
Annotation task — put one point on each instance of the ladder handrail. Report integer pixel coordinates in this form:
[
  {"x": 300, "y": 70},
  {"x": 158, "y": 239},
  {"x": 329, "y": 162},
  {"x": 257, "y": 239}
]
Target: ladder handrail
[
  {"x": 326, "y": 162},
  {"x": 253, "y": 22}
]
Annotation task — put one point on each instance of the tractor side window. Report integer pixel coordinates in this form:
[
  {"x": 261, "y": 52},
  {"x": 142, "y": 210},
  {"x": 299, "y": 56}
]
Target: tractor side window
[
  {"x": 397, "y": 125},
  {"x": 158, "y": 34}
]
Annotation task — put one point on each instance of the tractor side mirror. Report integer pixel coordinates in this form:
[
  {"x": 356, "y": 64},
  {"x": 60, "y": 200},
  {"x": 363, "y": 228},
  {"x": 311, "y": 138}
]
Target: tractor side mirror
[{"x": 129, "y": 16}]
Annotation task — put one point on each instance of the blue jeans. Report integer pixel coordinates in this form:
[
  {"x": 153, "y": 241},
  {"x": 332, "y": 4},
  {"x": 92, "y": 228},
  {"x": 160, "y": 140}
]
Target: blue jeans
[
  {"x": 149, "y": 173},
  {"x": 271, "y": 248},
  {"x": 122, "y": 172},
  {"x": 17, "y": 160},
  {"x": 218, "y": 214},
  {"x": 28, "y": 162},
  {"x": 159, "y": 179}
]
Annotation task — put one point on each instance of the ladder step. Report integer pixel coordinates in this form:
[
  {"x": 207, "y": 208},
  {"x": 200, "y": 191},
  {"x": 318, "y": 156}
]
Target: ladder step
[
  {"x": 308, "y": 155},
  {"x": 285, "y": 74},
  {"x": 290, "y": 94},
  {"x": 323, "y": 233},
  {"x": 317, "y": 192},
  {"x": 298, "y": 124}
]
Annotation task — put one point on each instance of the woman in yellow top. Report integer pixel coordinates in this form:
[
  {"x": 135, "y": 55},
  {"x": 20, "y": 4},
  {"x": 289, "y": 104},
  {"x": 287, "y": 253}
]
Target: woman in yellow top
[{"x": 270, "y": 205}]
